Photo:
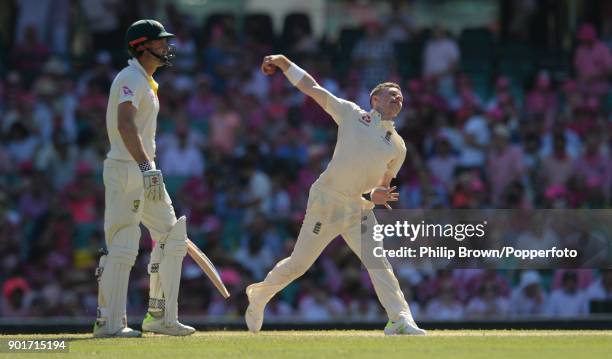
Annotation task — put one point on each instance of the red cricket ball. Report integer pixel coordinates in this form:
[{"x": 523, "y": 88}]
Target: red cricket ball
[{"x": 268, "y": 69}]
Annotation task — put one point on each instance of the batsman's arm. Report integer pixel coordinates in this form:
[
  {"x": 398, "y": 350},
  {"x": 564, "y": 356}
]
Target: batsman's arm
[
  {"x": 129, "y": 132},
  {"x": 153, "y": 182},
  {"x": 304, "y": 82}
]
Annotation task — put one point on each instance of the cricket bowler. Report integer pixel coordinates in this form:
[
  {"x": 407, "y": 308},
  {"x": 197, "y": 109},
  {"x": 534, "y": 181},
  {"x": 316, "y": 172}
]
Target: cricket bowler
[
  {"x": 368, "y": 155},
  {"x": 135, "y": 193}
]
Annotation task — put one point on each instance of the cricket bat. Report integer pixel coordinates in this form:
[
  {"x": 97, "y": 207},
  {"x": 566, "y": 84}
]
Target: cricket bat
[{"x": 203, "y": 262}]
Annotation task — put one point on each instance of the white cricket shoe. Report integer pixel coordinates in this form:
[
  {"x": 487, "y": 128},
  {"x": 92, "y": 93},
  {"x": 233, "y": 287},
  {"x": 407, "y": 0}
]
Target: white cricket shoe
[
  {"x": 99, "y": 331},
  {"x": 403, "y": 327},
  {"x": 255, "y": 312},
  {"x": 157, "y": 325}
]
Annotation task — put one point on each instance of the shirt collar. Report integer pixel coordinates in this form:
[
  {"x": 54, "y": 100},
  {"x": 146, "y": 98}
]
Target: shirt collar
[
  {"x": 377, "y": 117},
  {"x": 135, "y": 63}
]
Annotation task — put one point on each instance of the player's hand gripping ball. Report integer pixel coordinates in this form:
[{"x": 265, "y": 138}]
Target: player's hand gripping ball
[{"x": 267, "y": 67}]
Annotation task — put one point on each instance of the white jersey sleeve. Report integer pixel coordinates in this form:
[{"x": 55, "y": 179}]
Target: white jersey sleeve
[
  {"x": 131, "y": 88},
  {"x": 338, "y": 108}
]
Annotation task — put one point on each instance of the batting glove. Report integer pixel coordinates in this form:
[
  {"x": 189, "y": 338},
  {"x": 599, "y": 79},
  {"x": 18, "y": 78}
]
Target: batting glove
[{"x": 153, "y": 185}]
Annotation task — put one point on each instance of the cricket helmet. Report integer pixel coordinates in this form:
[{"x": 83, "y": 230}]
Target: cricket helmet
[{"x": 146, "y": 30}]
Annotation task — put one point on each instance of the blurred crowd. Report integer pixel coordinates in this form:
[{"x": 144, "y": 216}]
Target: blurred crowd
[{"x": 239, "y": 151}]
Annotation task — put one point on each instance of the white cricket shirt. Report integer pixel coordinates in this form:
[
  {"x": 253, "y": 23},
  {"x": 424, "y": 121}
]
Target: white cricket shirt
[
  {"x": 366, "y": 149},
  {"x": 133, "y": 84}
]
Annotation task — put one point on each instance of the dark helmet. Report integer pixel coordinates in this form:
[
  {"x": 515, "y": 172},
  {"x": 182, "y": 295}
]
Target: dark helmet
[{"x": 146, "y": 30}]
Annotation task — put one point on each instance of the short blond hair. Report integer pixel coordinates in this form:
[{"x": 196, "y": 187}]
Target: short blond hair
[{"x": 381, "y": 86}]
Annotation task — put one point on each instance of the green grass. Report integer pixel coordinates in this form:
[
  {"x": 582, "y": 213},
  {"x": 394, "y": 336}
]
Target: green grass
[{"x": 454, "y": 344}]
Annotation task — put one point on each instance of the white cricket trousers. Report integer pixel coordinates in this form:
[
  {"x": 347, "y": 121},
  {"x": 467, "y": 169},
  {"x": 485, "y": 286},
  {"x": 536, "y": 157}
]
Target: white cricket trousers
[
  {"x": 125, "y": 203},
  {"x": 125, "y": 209},
  {"x": 329, "y": 214}
]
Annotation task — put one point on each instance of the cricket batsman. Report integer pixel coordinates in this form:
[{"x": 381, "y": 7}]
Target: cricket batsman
[
  {"x": 135, "y": 193},
  {"x": 368, "y": 155}
]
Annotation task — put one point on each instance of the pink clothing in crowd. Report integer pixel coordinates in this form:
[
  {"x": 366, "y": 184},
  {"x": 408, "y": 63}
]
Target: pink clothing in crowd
[
  {"x": 556, "y": 171},
  {"x": 504, "y": 168},
  {"x": 593, "y": 64},
  {"x": 223, "y": 130}
]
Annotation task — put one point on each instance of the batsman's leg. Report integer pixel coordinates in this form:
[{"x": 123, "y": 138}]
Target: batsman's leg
[
  {"x": 381, "y": 273},
  {"x": 165, "y": 267},
  {"x": 113, "y": 286},
  {"x": 122, "y": 236},
  {"x": 316, "y": 233}
]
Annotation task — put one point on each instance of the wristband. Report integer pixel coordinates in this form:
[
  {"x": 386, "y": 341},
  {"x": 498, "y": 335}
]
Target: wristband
[
  {"x": 294, "y": 74},
  {"x": 145, "y": 166}
]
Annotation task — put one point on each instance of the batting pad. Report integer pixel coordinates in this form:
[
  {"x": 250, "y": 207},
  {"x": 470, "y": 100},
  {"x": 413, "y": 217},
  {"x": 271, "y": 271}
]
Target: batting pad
[
  {"x": 112, "y": 297},
  {"x": 156, "y": 293},
  {"x": 175, "y": 249}
]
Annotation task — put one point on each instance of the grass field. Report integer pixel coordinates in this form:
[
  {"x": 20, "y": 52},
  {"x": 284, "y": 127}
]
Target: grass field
[{"x": 456, "y": 344}]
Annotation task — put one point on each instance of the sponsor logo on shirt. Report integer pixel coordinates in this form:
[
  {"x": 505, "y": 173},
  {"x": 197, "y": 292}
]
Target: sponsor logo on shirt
[
  {"x": 127, "y": 91},
  {"x": 365, "y": 119},
  {"x": 387, "y": 138}
]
